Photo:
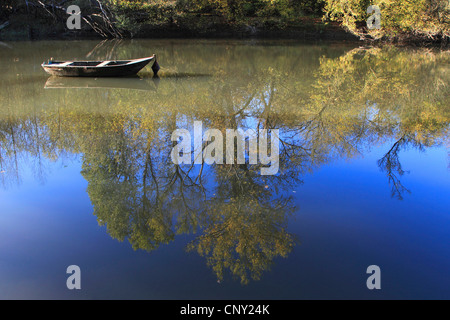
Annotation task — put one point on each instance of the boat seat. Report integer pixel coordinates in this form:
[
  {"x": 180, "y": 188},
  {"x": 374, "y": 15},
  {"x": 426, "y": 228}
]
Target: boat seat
[
  {"x": 104, "y": 63},
  {"x": 65, "y": 64}
]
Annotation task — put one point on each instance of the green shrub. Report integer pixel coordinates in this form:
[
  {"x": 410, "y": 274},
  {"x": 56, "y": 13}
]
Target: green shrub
[{"x": 426, "y": 17}]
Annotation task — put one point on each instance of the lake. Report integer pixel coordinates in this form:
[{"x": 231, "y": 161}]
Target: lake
[{"x": 362, "y": 173}]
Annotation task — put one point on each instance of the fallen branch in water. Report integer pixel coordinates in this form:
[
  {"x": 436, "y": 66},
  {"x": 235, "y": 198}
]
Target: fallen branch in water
[{"x": 105, "y": 16}]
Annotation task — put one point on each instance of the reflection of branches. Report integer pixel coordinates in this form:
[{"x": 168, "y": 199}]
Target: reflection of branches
[
  {"x": 390, "y": 164},
  {"x": 108, "y": 51},
  {"x": 23, "y": 141},
  {"x": 245, "y": 223},
  {"x": 243, "y": 237}
]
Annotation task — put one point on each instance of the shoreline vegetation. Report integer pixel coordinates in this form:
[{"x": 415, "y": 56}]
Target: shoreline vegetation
[{"x": 413, "y": 22}]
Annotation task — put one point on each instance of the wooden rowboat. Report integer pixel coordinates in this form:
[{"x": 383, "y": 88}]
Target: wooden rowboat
[{"x": 109, "y": 68}]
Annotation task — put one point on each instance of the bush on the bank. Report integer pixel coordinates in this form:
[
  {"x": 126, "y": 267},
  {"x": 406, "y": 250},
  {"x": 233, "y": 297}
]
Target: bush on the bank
[
  {"x": 131, "y": 16},
  {"x": 421, "y": 17},
  {"x": 239, "y": 9},
  {"x": 229, "y": 9}
]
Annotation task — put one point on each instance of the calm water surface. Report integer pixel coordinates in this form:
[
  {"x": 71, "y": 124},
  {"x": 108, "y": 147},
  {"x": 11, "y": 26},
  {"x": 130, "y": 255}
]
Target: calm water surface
[{"x": 87, "y": 178}]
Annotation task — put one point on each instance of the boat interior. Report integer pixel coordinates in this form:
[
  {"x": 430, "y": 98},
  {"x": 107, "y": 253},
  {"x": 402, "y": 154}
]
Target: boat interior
[{"x": 88, "y": 63}]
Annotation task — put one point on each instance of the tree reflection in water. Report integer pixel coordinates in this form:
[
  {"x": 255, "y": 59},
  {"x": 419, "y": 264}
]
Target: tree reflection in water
[{"x": 337, "y": 108}]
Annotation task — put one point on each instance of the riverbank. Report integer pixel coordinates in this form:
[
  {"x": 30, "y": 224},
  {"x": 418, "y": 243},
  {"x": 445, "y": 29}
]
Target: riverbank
[
  {"x": 210, "y": 27},
  {"x": 194, "y": 26},
  {"x": 177, "y": 19}
]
